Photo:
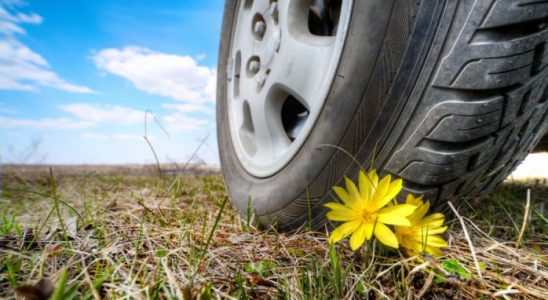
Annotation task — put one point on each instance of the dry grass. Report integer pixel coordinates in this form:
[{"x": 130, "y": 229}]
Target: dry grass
[{"x": 138, "y": 236}]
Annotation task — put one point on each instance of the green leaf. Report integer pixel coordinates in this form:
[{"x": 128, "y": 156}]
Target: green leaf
[
  {"x": 336, "y": 265},
  {"x": 249, "y": 267},
  {"x": 248, "y": 214},
  {"x": 59, "y": 293},
  {"x": 452, "y": 266},
  {"x": 205, "y": 292},
  {"x": 12, "y": 272},
  {"x": 161, "y": 253},
  {"x": 361, "y": 289},
  {"x": 296, "y": 252},
  {"x": 261, "y": 269}
]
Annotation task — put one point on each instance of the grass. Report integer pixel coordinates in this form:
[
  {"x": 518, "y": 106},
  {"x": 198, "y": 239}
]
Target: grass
[{"x": 96, "y": 235}]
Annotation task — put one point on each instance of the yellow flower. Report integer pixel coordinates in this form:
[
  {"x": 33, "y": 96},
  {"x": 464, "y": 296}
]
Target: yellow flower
[
  {"x": 422, "y": 236},
  {"x": 364, "y": 212}
]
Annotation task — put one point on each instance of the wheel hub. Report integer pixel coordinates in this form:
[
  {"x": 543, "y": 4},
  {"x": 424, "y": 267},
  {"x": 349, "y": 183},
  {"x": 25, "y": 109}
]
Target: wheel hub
[
  {"x": 281, "y": 66},
  {"x": 266, "y": 44}
]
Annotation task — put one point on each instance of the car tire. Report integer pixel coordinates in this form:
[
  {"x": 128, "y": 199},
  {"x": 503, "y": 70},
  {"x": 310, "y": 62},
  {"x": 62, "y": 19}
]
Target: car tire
[{"x": 450, "y": 96}]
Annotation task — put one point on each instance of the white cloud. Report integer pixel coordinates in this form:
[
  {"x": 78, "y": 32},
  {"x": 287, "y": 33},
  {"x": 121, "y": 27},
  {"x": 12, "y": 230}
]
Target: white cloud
[
  {"x": 179, "y": 122},
  {"x": 211, "y": 87},
  {"x": 85, "y": 115},
  {"x": 44, "y": 124},
  {"x": 15, "y": 135},
  {"x": 176, "y": 76},
  {"x": 7, "y": 109},
  {"x": 9, "y": 22},
  {"x": 130, "y": 137},
  {"x": 20, "y": 67},
  {"x": 120, "y": 136},
  {"x": 9, "y": 28},
  {"x": 95, "y": 136},
  {"x": 188, "y": 107},
  {"x": 31, "y": 18},
  {"x": 104, "y": 113}
]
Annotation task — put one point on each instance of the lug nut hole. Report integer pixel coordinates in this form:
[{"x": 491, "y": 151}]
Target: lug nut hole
[
  {"x": 253, "y": 65},
  {"x": 258, "y": 27}
]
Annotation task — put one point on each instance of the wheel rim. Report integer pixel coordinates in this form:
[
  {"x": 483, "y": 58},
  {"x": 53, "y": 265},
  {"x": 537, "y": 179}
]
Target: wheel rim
[{"x": 282, "y": 62}]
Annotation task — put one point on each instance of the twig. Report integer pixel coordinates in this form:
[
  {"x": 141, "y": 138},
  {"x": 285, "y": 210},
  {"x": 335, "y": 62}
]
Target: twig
[
  {"x": 401, "y": 262},
  {"x": 426, "y": 285},
  {"x": 211, "y": 233},
  {"x": 202, "y": 142},
  {"x": 148, "y": 141},
  {"x": 87, "y": 278},
  {"x": 155, "y": 156},
  {"x": 461, "y": 220},
  {"x": 171, "y": 279},
  {"x": 345, "y": 152},
  {"x": 525, "y": 218},
  {"x": 507, "y": 291}
]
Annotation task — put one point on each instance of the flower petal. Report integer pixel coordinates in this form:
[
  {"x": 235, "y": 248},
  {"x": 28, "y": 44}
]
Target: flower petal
[
  {"x": 411, "y": 252},
  {"x": 337, "y": 206},
  {"x": 422, "y": 236},
  {"x": 435, "y": 252},
  {"x": 433, "y": 220},
  {"x": 352, "y": 190},
  {"x": 381, "y": 190},
  {"x": 403, "y": 210},
  {"x": 434, "y": 216},
  {"x": 368, "y": 228},
  {"x": 422, "y": 209},
  {"x": 411, "y": 199},
  {"x": 421, "y": 232},
  {"x": 396, "y": 214},
  {"x": 337, "y": 215},
  {"x": 437, "y": 230},
  {"x": 418, "y": 247},
  {"x": 374, "y": 181},
  {"x": 393, "y": 190},
  {"x": 385, "y": 235},
  {"x": 394, "y": 220},
  {"x": 365, "y": 186},
  {"x": 435, "y": 241},
  {"x": 343, "y": 231},
  {"x": 345, "y": 197},
  {"x": 358, "y": 237},
  {"x": 364, "y": 232},
  {"x": 374, "y": 177}
]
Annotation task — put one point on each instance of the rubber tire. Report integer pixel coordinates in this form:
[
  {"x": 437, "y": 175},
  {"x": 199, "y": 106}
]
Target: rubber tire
[{"x": 448, "y": 95}]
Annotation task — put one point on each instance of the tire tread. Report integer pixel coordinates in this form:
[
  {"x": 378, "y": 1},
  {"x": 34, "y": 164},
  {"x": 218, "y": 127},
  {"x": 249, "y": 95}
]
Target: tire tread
[{"x": 486, "y": 107}]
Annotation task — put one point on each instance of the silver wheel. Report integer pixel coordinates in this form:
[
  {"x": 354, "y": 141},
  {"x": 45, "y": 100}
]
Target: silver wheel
[{"x": 281, "y": 65}]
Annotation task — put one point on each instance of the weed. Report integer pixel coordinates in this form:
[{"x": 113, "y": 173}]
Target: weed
[
  {"x": 9, "y": 225},
  {"x": 139, "y": 236},
  {"x": 261, "y": 269}
]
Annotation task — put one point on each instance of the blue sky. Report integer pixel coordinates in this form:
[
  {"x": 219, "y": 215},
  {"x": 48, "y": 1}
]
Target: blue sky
[{"x": 76, "y": 78}]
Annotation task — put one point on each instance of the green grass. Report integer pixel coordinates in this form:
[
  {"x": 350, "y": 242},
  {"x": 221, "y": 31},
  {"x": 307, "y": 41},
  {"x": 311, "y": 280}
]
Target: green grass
[{"x": 138, "y": 236}]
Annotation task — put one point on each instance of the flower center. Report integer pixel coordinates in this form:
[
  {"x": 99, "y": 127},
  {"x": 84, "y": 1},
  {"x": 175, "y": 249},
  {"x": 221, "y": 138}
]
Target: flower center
[
  {"x": 405, "y": 235},
  {"x": 368, "y": 217}
]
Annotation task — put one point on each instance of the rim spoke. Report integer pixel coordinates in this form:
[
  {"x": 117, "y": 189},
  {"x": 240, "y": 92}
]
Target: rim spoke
[
  {"x": 240, "y": 45},
  {"x": 304, "y": 60},
  {"x": 260, "y": 6},
  {"x": 303, "y": 70},
  {"x": 269, "y": 134}
]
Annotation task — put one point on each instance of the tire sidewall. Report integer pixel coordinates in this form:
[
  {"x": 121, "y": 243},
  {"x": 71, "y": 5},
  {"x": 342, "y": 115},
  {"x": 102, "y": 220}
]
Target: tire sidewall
[{"x": 368, "y": 23}]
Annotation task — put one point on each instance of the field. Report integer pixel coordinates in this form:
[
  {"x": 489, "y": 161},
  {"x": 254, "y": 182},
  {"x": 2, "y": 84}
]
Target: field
[{"x": 92, "y": 234}]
